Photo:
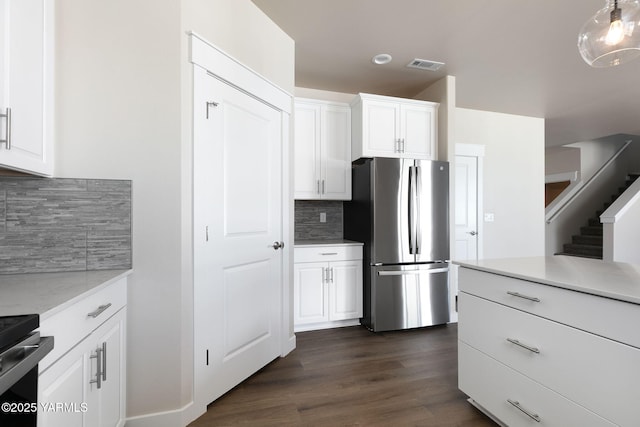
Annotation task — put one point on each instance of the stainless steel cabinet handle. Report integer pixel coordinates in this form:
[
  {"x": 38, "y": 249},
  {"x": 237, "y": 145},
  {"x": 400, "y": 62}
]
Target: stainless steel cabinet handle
[
  {"x": 518, "y": 343},
  {"x": 318, "y": 187},
  {"x": 98, "y": 357},
  {"x": 329, "y": 253},
  {"x": 402, "y": 147},
  {"x": 530, "y": 414},
  {"x": 277, "y": 245},
  {"x": 323, "y": 189},
  {"x": 99, "y": 310},
  {"x": 7, "y": 128},
  {"x": 104, "y": 361},
  {"x": 331, "y": 270},
  {"x": 516, "y": 294}
]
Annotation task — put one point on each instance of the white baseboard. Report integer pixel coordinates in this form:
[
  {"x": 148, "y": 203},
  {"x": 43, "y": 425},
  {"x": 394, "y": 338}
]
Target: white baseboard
[{"x": 175, "y": 418}]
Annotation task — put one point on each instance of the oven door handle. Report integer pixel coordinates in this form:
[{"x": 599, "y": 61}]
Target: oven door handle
[{"x": 13, "y": 374}]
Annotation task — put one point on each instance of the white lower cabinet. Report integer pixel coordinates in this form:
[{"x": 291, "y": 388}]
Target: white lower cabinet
[
  {"x": 85, "y": 387},
  {"x": 327, "y": 286},
  {"x": 522, "y": 365}
]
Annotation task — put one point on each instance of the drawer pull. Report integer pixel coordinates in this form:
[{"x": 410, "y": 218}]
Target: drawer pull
[
  {"x": 329, "y": 253},
  {"x": 99, "y": 310},
  {"x": 518, "y": 343},
  {"x": 516, "y": 294},
  {"x": 531, "y": 415}
]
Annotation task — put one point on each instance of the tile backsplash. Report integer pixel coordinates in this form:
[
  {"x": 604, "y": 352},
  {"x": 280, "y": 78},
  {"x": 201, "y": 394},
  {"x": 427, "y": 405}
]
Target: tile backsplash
[
  {"x": 52, "y": 225},
  {"x": 307, "y": 220}
]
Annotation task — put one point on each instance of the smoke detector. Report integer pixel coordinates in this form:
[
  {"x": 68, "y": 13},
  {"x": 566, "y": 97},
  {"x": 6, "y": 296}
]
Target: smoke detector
[{"x": 424, "y": 64}]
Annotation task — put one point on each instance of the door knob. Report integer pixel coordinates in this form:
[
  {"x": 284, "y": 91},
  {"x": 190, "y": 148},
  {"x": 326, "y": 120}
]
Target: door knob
[
  {"x": 277, "y": 245},
  {"x": 473, "y": 233}
]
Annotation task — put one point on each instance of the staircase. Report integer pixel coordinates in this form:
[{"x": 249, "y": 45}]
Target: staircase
[{"x": 588, "y": 243}]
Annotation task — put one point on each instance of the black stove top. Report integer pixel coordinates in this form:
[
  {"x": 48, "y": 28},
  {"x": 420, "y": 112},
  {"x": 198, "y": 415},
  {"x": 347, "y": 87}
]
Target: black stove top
[{"x": 13, "y": 328}]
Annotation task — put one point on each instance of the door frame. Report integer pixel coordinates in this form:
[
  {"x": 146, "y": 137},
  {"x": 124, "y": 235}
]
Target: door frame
[
  {"x": 226, "y": 68},
  {"x": 477, "y": 151}
]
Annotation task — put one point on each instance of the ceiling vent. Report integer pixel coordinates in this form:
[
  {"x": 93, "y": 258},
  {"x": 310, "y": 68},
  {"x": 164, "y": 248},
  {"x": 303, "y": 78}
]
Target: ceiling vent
[{"x": 424, "y": 64}]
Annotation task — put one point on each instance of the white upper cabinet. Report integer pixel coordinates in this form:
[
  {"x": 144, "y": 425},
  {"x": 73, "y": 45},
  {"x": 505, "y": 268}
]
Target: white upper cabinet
[
  {"x": 322, "y": 148},
  {"x": 26, "y": 85},
  {"x": 384, "y": 126}
]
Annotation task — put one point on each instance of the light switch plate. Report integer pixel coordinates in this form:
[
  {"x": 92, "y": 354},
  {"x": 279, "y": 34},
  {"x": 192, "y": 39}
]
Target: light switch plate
[{"x": 489, "y": 217}]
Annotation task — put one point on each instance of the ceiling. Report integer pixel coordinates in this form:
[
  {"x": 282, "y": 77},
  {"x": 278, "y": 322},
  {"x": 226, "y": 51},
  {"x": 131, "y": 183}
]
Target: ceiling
[{"x": 508, "y": 56}]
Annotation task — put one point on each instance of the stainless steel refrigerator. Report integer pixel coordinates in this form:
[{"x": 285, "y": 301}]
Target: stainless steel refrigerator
[{"x": 400, "y": 211}]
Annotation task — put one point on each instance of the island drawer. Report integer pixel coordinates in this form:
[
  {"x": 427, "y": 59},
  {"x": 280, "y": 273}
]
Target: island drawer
[
  {"x": 477, "y": 370},
  {"x": 606, "y": 317},
  {"x": 564, "y": 359},
  {"x": 69, "y": 326},
  {"x": 322, "y": 253}
]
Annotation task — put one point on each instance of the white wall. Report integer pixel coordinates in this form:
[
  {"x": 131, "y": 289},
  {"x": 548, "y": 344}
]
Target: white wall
[
  {"x": 561, "y": 160},
  {"x": 123, "y": 111},
  {"x": 443, "y": 91},
  {"x": 324, "y": 95},
  {"x": 513, "y": 180}
]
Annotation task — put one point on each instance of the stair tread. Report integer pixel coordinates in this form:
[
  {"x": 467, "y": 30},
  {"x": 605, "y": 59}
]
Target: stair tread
[
  {"x": 578, "y": 255},
  {"x": 587, "y": 239}
]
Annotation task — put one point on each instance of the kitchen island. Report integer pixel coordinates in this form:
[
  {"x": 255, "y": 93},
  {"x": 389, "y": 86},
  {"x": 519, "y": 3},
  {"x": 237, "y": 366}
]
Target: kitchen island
[{"x": 550, "y": 340}]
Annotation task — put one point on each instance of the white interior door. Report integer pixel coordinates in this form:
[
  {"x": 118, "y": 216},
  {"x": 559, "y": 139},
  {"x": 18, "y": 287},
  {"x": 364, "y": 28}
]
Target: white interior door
[
  {"x": 466, "y": 208},
  {"x": 237, "y": 219}
]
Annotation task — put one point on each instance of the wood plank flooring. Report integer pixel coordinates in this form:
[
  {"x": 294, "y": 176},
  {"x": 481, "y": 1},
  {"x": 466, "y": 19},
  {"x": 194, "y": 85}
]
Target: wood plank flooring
[{"x": 353, "y": 377}]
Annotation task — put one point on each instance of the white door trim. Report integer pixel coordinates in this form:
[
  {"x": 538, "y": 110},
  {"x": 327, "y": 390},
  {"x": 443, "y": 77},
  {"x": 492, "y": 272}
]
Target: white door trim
[{"x": 222, "y": 66}]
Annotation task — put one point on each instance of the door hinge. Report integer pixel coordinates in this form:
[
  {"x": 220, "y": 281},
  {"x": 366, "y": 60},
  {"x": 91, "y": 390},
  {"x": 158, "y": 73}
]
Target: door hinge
[
  {"x": 210, "y": 104},
  {"x": 207, "y": 357}
]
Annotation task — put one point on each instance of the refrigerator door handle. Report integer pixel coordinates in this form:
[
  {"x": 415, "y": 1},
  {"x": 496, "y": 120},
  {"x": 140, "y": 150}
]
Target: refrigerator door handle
[
  {"x": 418, "y": 179},
  {"x": 410, "y": 272},
  {"x": 411, "y": 213}
]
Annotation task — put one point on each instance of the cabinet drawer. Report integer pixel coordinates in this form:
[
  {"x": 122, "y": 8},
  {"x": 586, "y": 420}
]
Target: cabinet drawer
[
  {"x": 616, "y": 320},
  {"x": 327, "y": 253},
  {"x": 491, "y": 384},
  {"x": 70, "y": 326},
  {"x": 565, "y": 356}
]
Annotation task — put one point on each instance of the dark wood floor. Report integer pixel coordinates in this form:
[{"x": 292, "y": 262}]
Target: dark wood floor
[{"x": 353, "y": 377}]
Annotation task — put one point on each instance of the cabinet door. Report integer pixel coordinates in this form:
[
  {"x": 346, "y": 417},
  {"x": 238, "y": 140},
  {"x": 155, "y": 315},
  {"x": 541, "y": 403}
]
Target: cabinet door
[
  {"x": 417, "y": 131},
  {"x": 111, "y": 341},
  {"x": 336, "y": 153},
  {"x": 310, "y": 293},
  {"x": 381, "y": 131},
  {"x": 307, "y": 151},
  {"x": 345, "y": 290},
  {"x": 26, "y": 37},
  {"x": 65, "y": 383}
]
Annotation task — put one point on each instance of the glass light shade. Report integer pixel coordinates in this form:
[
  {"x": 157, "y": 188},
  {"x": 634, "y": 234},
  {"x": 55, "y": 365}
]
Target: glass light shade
[{"x": 603, "y": 43}]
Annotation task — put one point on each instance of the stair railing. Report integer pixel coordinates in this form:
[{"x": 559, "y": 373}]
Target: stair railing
[{"x": 576, "y": 191}]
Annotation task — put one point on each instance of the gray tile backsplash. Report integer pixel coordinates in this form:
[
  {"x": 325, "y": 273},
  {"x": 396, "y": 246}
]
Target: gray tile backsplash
[
  {"x": 49, "y": 225},
  {"x": 307, "y": 220}
]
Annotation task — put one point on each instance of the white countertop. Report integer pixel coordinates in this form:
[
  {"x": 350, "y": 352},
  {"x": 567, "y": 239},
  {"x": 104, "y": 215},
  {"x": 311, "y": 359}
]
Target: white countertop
[
  {"x": 619, "y": 281},
  {"x": 47, "y": 293},
  {"x": 333, "y": 242}
]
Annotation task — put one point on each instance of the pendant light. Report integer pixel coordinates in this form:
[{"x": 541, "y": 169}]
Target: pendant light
[{"x": 611, "y": 36}]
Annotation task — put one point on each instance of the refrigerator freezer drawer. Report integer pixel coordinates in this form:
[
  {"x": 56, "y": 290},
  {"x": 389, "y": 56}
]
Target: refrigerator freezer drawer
[{"x": 408, "y": 296}]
